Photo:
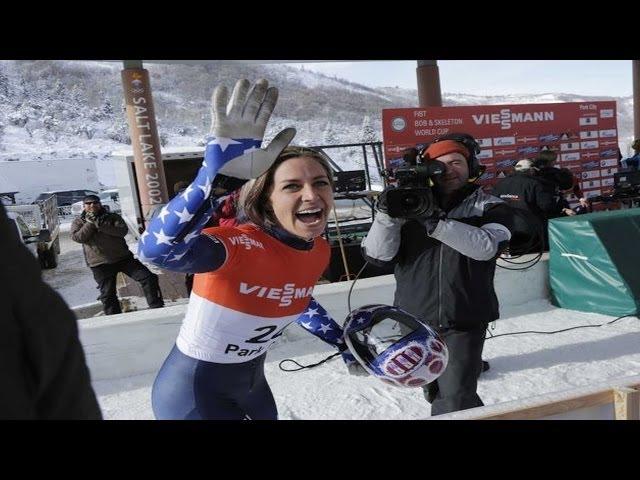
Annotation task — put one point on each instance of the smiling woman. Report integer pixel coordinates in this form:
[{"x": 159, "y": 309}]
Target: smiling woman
[
  {"x": 296, "y": 194},
  {"x": 253, "y": 279}
]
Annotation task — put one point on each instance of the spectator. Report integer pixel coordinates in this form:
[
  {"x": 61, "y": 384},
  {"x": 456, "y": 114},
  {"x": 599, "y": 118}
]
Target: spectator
[
  {"x": 101, "y": 234},
  {"x": 527, "y": 191}
]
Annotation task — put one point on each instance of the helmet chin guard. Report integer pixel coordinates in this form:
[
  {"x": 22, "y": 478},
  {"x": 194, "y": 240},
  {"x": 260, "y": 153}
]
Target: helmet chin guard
[{"x": 395, "y": 346}]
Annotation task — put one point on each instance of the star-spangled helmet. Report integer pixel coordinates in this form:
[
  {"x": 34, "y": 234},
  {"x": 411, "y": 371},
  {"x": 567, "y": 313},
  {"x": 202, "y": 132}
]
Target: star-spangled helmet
[{"x": 395, "y": 346}]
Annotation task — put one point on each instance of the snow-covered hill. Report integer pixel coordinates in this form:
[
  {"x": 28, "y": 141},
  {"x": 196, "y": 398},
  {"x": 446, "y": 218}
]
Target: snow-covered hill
[{"x": 65, "y": 109}]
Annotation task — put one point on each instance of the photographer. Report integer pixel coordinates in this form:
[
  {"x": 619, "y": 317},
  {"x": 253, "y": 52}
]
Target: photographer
[
  {"x": 534, "y": 196},
  {"x": 444, "y": 261},
  {"x": 562, "y": 178}
]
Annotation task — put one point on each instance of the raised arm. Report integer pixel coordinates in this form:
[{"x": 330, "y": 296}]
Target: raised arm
[{"x": 232, "y": 156}]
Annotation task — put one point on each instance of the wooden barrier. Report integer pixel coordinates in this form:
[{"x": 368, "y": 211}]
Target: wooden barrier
[{"x": 618, "y": 399}]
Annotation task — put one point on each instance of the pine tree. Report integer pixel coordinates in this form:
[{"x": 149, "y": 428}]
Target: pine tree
[
  {"x": 107, "y": 108},
  {"x": 4, "y": 86},
  {"x": 329, "y": 136},
  {"x": 368, "y": 133}
]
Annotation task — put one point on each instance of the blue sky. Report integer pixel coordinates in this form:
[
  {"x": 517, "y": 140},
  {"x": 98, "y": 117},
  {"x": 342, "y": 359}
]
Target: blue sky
[{"x": 495, "y": 77}]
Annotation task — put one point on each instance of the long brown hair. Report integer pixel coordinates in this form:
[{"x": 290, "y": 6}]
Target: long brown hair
[{"x": 256, "y": 204}]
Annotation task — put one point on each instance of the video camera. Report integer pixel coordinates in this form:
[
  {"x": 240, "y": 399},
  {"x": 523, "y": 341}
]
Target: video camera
[{"x": 413, "y": 196}]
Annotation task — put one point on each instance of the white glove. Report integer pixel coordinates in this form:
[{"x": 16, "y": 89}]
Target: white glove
[{"x": 245, "y": 117}]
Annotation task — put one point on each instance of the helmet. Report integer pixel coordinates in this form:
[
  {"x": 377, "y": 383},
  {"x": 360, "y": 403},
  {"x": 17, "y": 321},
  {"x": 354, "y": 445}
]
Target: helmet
[{"x": 395, "y": 346}]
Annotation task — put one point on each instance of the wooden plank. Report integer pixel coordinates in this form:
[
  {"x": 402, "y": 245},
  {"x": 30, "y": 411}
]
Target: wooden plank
[
  {"x": 555, "y": 407},
  {"x": 627, "y": 403}
]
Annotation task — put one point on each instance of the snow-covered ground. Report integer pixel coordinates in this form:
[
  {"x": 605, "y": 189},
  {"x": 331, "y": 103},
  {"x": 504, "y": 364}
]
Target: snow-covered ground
[{"x": 522, "y": 366}]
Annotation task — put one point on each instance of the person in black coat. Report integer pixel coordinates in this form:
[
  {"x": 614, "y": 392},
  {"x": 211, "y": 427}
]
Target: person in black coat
[
  {"x": 43, "y": 372},
  {"x": 534, "y": 196}
]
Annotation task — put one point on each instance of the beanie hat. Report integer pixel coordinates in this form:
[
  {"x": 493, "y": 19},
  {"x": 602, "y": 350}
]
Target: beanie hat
[
  {"x": 93, "y": 198},
  {"x": 523, "y": 165},
  {"x": 443, "y": 147}
]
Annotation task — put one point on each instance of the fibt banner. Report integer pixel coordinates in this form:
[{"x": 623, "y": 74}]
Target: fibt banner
[{"x": 584, "y": 135}]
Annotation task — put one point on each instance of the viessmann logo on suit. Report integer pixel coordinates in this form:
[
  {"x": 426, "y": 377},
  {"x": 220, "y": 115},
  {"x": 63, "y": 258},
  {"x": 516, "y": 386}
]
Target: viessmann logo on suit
[
  {"x": 284, "y": 295},
  {"x": 247, "y": 241}
]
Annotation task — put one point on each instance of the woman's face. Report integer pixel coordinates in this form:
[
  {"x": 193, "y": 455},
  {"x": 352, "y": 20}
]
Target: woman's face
[{"x": 301, "y": 197}]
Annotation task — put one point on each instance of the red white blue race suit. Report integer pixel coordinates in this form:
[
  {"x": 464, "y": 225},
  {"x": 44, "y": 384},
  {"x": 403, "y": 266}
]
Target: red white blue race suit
[{"x": 250, "y": 283}]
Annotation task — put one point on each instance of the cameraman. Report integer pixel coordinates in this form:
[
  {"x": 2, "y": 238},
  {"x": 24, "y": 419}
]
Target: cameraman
[{"x": 445, "y": 264}]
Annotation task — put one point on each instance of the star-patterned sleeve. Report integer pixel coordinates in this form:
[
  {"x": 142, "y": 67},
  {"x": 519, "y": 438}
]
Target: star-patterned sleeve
[
  {"x": 172, "y": 239},
  {"x": 317, "y": 321}
]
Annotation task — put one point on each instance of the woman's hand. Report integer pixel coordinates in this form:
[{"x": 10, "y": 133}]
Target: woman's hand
[{"x": 237, "y": 130}]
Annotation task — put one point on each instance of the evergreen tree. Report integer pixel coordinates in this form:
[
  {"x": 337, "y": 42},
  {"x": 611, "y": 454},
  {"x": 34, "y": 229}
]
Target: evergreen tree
[
  {"x": 368, "y": 133},
  {"x": 329, "y": 137},
  {"x": 107, "y": 108}
]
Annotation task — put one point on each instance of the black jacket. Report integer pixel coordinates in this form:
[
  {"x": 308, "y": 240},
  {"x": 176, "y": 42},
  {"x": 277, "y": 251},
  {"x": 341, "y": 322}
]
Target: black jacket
[
  {"x": 560, "y": 177},
  {"x": 438, "y": 283},
  {"x": 531, "y": 193},
  {"x": 43, "y": 374}
]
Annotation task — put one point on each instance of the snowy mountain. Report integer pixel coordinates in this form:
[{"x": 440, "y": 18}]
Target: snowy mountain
[{"x": 65, "y": 109}]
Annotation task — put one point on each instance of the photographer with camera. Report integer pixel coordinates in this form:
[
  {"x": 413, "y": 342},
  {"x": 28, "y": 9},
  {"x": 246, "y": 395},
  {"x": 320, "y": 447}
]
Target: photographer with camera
[
  {"x": 537, "y": 200},
  {"x": 444, "y": 233},
  {"x": 562, "y": 178}
]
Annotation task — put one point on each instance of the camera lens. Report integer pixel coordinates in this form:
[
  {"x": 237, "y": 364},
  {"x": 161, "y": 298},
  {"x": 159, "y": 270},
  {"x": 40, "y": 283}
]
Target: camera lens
[
  {"x": 412, "y": 204},
  {"x": 410, "y": 201}
]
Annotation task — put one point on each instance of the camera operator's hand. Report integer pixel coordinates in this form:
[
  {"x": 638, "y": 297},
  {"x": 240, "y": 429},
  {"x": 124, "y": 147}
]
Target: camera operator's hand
[
  {"x": 430, "y": 222},
  {"x": 381, "y": 201}
]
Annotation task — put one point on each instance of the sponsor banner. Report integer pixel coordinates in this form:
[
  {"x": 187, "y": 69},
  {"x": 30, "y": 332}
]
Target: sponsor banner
[
  {"x": 590, "y": 184},
  {"x": 608, "y": 133},
  {"x": 608, "y": 182},
  {"x": 611, "y": 162},
  {"x": 588, "y": 134},
  {"x": 569, "y": 157},
  {"x": 565, "y": 147},
  {"x": 591, "y": 193},
  {"x": 506, "y": 163},
  {"x": 484, "y": 154},
  {"x": 589, "y": 145},
  {"x": 527, "y": 151},
  {"x": 590, "y": 165},
  {"x": 506, "y": 133},
  {"x": 590, "y": 174},
  {"x": 503, "y": 141},
  {"x": 609, "y": 152},
  {"x": 608, "y": 172},
  {"x": 504, "y": 153},
  {"x": 550, "y": 137},
  {"x": 588, "y": 121},
  {"x": 574, "y": 167}
]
